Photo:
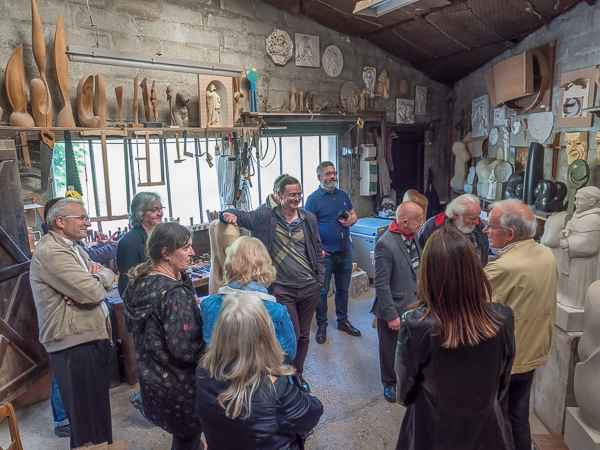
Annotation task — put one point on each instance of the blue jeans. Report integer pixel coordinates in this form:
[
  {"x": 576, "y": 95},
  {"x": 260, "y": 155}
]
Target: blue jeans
[
  {"x": 58, "y": 410},
  {"x": 341, "y": 268}
]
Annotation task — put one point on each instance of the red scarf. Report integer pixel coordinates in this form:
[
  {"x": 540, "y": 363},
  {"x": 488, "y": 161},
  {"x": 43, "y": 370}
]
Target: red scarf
[{"x": 394, "y": 228}]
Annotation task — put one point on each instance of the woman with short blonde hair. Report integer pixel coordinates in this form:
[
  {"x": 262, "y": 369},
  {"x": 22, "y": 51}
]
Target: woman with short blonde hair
[
  {"x": 243, "y": 393},
  {"x": 248, "y": 267}
]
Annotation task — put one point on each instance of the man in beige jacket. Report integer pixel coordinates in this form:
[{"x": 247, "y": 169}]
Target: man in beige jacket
[
  {"x": 69, "y": 292},
  {"x": 523, "y": 277}
]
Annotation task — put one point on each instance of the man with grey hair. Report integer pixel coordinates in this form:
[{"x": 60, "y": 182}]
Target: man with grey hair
[
  {"x": 145, "y": 211},
  {"x": 69, "y": 292},
  {"x": 523, "y": 277},
  {"x": 463, "y": 213}
]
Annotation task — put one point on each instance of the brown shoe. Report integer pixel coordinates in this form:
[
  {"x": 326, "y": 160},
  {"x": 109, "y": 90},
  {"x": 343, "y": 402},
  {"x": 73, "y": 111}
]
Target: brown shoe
[
  {"x": 346, "y": 327},
  {"x": 321, "y": 336}
]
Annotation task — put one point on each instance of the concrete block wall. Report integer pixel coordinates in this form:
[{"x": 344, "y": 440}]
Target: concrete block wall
[
  {"x": 577, "y": 34},
  {"x": 223, "y": 31}
]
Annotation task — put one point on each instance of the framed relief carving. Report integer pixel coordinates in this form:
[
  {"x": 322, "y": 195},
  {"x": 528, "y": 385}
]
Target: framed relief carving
[
  {"x": 405, "y": 111},
  {"x": 280, "y": 47},
  {"x": 480, "y": 116},
  {"x": 577, "y": 92},
  {"x": 307, "y": 50},
  {"x": 420, "y": 100}
]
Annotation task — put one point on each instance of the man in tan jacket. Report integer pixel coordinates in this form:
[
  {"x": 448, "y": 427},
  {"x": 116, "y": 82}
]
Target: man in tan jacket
[
  {"x": 523, "y": 277},
  {"x": 69, "y": 292}
]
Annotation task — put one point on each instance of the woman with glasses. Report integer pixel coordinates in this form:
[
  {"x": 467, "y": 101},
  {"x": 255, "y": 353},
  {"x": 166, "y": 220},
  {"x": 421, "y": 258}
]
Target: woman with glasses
[
  {"x": 455, "y": 352},
  {"x": 160, "y": 303}
]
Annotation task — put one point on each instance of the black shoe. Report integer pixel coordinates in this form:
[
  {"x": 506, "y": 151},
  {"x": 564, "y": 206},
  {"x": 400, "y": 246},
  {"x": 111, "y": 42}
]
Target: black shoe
[
  {"x": 321, "y": 336},
  {"x": 301, "y": 383},
  {"x": 136, "y": 401},
  {"x": 389, "y": 393},
  {"x": 346, "y": 326},
  {"x": 63, "y": 430}
]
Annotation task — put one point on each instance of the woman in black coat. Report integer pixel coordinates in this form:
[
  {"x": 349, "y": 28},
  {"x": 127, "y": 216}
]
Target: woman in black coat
[
  {"x": 455, "y": 353},
  {"x": 244, "y": 396}
]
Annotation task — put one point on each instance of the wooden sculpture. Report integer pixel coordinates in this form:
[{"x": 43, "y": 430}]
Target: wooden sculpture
[
  {"x": 146, "y": 99},
  {"x": 85, "y": 101},
  {"x": 61, "y": 73},
  {"x": 15, "y": 90},
  {"x": 577, "y": 145},
  {"x": 237, "y": 83},
  {"x": 154, "y": 100},
  {"x": 119, "y": 94},
  {"x": 41, "y": 103},
  {"x": 170, "y": 100},
  {"x": 100, "y": 101},
  {"x": 135, "y": 101}
]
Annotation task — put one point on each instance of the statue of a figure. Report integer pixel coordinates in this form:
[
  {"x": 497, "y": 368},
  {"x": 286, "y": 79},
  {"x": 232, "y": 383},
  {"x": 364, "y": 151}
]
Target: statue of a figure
[
  {"x": 213, "y": 106},
  {"x": 180, "y": 112},
  {"x": 460, "y": 167},
  {"x": 154, "y": 100},
  {"x": 170, "y": 100},
  {"x": 580, "y": 241},
  {"x": 368, "y": 76},
  {"x": 293, "y": 99},
  {"x": 383, "y": 85}
]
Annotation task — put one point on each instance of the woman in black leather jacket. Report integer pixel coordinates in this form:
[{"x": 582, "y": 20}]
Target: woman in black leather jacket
[
  {"x": 243, "y": 394},
  {"x": 455, "y": 353}
]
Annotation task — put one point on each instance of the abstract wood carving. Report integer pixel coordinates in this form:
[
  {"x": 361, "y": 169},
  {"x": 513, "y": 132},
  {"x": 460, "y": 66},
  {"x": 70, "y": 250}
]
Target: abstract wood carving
[
  {"x": 237, "y": 83},
  {"x": 61, "y": 73},
  {"x": 135, "y": 101},
  {"x": 15, "y": 90},
  {"x": 170, "y": 100},
  {"x": 119, "y": 94},
  {"x": 100, "y": 101},
  {"x": 85, "y": 103},
  {"x": 154, "y": 100},
  {"x": 41, "y": 103},
  {"x": 146, "y": 99}
]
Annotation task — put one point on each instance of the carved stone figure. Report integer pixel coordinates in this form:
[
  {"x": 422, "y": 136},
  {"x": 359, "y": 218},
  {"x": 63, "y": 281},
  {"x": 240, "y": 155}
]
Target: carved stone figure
[
  {"x": 554, "y": 225},
  {"x": 170, "y": 100},
  {"x": 484, "y": 174},
  {"x": 383, "y": 85},
  {"x": 213, "y": 105},
  {"x": 580, "y": 241},
  {"x": 577, "y": 145},
  {"x": 350, "y": 95},
  {"x": 480, "y": 115},
  {"x": 405, "y": 111},
  {"x": 180, "y": 112},
  {"x": 280, "y": 47},
  {"x": 460, "y": 167},
  {"x": 420, "y": 100},
  {"x": 293, "y": 99},
  {"x": 368, "y": 76},
  {"x": 586, "y": 382},
  {"x": 154, "y": 100},
  {"x": 493, "y": 184},
  {"x": 514, "y": 186},
  {"x": 550, "y": 196}
]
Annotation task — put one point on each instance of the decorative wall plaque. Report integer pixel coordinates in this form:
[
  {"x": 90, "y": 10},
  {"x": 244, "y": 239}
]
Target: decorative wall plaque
[
  {"x": 280, "y": 47},
  {"x": 420, "y": 100},
  {"x": 350, "y": 96},
  {"x": 540, "y": 126},
  {"x": 480, "y": 116},
  {"x": 577, "y": 92},
  {"x": 368, "y": 77},
  {"x": 307, "y": 50},
  {"x": 577, "y": 145},
  {"x": 333, "y": 61},
  {"x": 405, "y": 111}
]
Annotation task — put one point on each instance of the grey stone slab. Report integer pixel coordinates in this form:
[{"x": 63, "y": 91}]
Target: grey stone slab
[{"x": 578, "y": 434}]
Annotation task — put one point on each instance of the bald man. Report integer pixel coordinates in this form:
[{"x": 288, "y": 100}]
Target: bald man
[
  {"x": 397, "y": 256},
  {"x": 523, "y": 277}
]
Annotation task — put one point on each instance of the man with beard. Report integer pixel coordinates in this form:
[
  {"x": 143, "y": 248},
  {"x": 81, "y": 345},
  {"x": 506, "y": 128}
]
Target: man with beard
[
  {"x": 292, "y": 237},
  {"x": 462, "y": 213},
  {"x": 329, "y": 204}
]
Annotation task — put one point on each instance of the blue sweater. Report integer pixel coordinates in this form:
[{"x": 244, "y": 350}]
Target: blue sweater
[{"x": 284, "y": 330}]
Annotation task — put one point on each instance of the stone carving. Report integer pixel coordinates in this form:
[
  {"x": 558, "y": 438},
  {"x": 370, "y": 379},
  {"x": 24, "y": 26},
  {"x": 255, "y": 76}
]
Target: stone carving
[
  {"x": 293, "y": 99},
  {"x": 577, "y": 145},
  {"x": 554, "y": 225},
  {"x": 540, "y": 126},
  {"x": 514, "y": 186},
  {"x": 180, "y": 111},
  {"x": 170, "y": 100},
  {"x": 368, "y": 77},
  {"x": 333, "y": 61},
  {"x": 213, "y": 105},
  {"x": 460, "y": 167},
  {"x": 502, "y": 173},
  {"x": 586, "y": 382},
  {"x": 550, "y": 196},
  {"x": 280, "y": 47},
  {"x": 383, "y": 85},
  {"x": 405, "y": 111},
  {"x": 480, "y": 118},
  {"x": 154, "y": 100},
  {"x": 493, "y": 184},
  {"x": 350, "y": 96},
  {"x": 420, "y": 100},
  {"x": 403, "y": 87},
  {"x": 483, "y": 173},
  {"x": 307, "y": 50},
  {"x": 580, "y": 241}
]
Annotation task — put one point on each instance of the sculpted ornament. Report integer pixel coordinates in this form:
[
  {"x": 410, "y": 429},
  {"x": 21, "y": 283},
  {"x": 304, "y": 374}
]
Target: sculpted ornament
[
  {"x": 333, "y": 61},
  {"x": 577, "y": 145},
  {"x": 280, "y": 47}
]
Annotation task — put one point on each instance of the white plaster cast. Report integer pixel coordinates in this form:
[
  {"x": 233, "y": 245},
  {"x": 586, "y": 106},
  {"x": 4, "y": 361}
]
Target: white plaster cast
[
  {"x": 554, "y": 225},
  {"x": 460, "y": 166}
]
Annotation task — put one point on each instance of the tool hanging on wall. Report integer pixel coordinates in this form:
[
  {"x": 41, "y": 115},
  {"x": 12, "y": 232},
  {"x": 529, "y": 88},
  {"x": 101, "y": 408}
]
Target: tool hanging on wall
[
  {"x": 185, "y": 152},
  {"x": 178, "y": 160},
  {"x": 199, "y": 155},
  {"x": 21, "y": 143},
  {"x": 147, "y": 134},
  {"x": 234, "y": 147},
  {"x": 217, "y": 148},
  {"x": 46, "y": 150}
]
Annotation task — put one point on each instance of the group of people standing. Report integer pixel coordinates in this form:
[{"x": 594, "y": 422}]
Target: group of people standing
[{"x": 459, "y": 338}]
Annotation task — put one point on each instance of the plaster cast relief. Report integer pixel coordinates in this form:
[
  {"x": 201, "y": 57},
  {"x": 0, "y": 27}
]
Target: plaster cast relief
[
  {"x": 405, "y": 111},
  {"x": 350, "y": 96},
  {"x": 403, "y": 87},
  {"x": 494, "y": 136},
  {"x": 280, "y": 47},
  {"x": 500, "y": 116},
  {"x": 307, "y": 50},
  {"x": 480, "y": 116},
  {"x": 577, "y": 145},
  {"x": 368, "y": 77},
  {"x": 540, "y": 126},
  {"x": 333, "y": 61},
  {"x": 420, "y": 100},
  {"x": 516, "y": 127}
]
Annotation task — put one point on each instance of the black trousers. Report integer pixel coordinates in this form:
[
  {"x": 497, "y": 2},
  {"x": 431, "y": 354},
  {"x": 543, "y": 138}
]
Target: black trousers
[
  {"x": 388, "y": 340},
  {"x": 81, "y": 373},
  {"x": 515, "y": 408}
]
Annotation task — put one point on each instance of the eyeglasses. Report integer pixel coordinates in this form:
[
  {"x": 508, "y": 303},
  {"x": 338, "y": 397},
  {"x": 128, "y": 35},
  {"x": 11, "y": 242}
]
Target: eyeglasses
[
  {"x": 490, "y": 228},
  {"x": 156, "y": 210},
  {"x": 294, "y": 195},
  {"x": 82, "y": 217},
  {"x": 329, "y": 174}
]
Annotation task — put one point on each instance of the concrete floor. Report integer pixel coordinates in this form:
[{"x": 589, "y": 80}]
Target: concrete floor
[{"x": 343, "y": 373}]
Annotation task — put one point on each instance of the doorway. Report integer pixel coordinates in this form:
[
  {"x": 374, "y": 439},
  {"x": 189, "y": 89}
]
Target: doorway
[{"x": 408, "y": 155}]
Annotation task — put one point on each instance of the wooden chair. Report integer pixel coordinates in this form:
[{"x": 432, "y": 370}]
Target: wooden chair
[{"x": 7, "y": 410}]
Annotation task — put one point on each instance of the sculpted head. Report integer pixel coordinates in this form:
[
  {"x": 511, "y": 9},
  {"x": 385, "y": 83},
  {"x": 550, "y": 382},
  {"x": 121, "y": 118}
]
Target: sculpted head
[{"x": 587, "y": 198}]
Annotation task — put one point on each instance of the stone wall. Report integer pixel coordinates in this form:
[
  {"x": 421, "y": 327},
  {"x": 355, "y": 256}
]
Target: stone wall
[
  {"x": 223, "y": 31},
  {"x": 577, "y": 34}
]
